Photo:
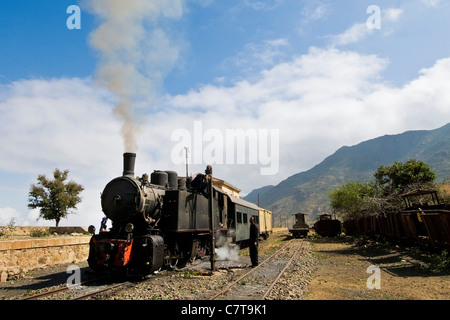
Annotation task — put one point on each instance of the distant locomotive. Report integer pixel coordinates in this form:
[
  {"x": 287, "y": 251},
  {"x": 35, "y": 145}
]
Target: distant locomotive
[
  {"x": 300, "y": 229},
  {"x": 327, "y": 226},
  {"x": 162, "y": 222}
]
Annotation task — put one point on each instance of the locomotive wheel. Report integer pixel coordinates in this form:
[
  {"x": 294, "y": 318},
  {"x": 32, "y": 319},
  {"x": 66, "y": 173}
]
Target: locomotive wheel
[{"x": 172, "y": 261}]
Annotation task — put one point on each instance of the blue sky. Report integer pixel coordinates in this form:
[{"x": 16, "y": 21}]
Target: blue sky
[
  {"x": 311, "y": 71},
  {"x": 36, "y": 42}
]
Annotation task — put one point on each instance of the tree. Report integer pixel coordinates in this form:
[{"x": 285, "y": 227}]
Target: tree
[
  {"x": 54, "y": 197},
  {"x": 357, "y": 199},
  {"x": 399, "y": 177},
  {"x": 350, "y": 201}
]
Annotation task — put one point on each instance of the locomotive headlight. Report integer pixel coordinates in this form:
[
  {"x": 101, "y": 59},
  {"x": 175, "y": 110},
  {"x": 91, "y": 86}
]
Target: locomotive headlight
[
  {"x": 91, "y": 229},
  {"x": 129, "y": 227}
]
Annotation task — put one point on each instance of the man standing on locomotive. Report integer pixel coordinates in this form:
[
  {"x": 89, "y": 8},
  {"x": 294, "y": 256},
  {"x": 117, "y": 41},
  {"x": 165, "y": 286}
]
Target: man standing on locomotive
[{"x": 254, "y": 239}]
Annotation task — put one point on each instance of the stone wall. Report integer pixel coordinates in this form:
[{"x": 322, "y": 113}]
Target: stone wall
[
  {"x": 9, "y": 231},
  {"x": 22, "y": 255}
]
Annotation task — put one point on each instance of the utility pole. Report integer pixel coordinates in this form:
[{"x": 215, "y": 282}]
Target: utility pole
[
  {"x": 209, "y": 178},
  {"x": 187, "y": 171}
]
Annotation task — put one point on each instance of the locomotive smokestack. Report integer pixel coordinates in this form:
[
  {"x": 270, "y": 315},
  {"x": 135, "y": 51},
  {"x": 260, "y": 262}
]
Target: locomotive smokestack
[{"x": 128, "y": 164}]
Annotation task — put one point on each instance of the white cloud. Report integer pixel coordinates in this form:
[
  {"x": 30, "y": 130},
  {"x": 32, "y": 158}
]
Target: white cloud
[
  {"x": 355, "y": 33},
  {"x": 393, "y": 14},
  {"x": 360, "y": 31},
  {"x": 8, "y": 216},
  {"x": 257, "y": 56},
  {"x": 313, "y": 14},
  {"x": 55, "y": 123},
  {"x": 432, "y": 3},
  {"x": 319, "y": 101},
  {"x": 263, "y": 5}
]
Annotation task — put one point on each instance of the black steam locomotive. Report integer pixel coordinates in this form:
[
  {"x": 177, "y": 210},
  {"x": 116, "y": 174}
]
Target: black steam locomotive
[{"x": 162, "y": 222}]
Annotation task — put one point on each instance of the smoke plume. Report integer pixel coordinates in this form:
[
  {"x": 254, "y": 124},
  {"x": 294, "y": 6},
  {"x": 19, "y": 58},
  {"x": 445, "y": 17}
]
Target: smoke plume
[
  {"x": 135, "y": 52},
  {"x": 226, "y": 250}
]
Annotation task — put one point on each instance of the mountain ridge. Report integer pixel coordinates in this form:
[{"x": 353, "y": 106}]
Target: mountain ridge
[{"x": 307, "y": 191}]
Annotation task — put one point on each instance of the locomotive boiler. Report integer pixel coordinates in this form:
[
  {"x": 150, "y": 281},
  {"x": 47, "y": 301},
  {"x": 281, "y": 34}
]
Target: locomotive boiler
[{"x": 155, "y": 223}]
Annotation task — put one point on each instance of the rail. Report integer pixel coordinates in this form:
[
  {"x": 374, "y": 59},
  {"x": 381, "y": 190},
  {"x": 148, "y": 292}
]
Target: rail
[
  {"x": 279, "y": 251},
  {"x": 282, "y": 271},
  {"x": 60, "y": 289}
]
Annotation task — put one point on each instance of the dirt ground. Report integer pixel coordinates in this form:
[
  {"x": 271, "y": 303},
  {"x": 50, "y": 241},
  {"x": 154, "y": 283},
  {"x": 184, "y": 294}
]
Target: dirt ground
[{"x": 346, "y": 269}]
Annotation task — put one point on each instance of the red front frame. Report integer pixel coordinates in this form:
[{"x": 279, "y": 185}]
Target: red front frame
[{"x": 121, "y": 251}]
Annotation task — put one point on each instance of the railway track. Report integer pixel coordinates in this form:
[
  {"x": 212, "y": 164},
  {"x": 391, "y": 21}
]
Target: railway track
[
  {"x": 85, "y": 290},
  {"x": 259, "y": 281},
  {"x": 48, "y": 293},
  {"x": 100, "y": 291}
]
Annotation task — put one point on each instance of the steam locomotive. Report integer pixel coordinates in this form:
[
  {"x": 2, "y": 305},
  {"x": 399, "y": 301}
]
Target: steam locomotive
[{"x": 163, "y": 222}]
